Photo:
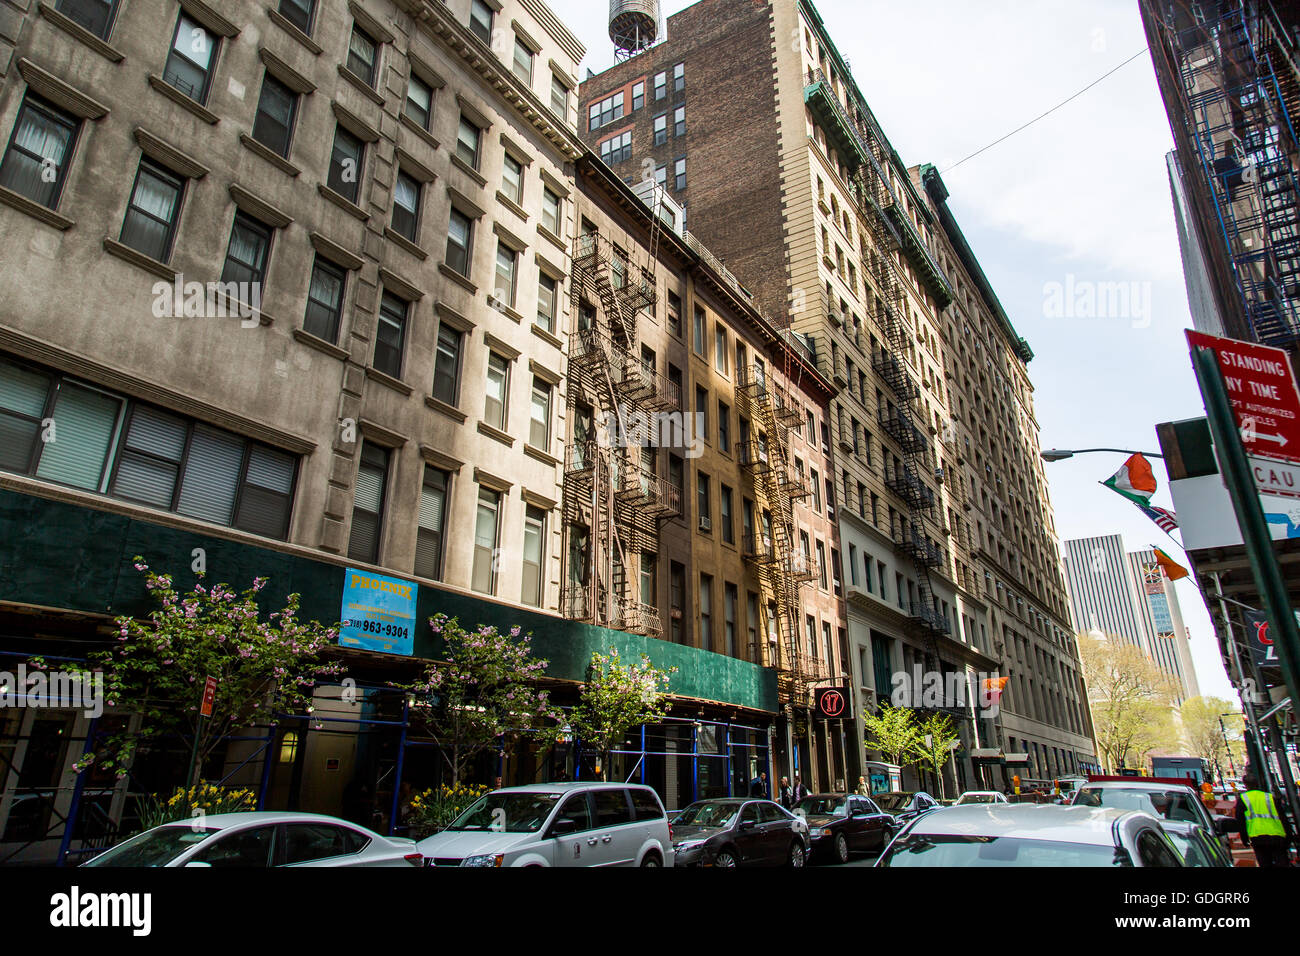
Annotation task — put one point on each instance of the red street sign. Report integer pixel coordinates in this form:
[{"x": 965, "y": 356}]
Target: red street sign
[
  {"x": 1263, "y": 392},
  {"x": 209, "y": 697},
  {"x": 831, "y": 702}
]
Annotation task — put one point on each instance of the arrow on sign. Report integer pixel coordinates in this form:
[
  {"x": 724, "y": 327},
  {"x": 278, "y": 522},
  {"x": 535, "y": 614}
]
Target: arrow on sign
[{"x": 1279, "y": 439}]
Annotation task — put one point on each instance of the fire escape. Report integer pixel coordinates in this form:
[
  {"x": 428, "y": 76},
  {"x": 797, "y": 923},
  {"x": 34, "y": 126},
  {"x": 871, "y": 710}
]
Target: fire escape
[
  {"x": 1237, "y": 80},
  {"x": 614, "y": 499}
]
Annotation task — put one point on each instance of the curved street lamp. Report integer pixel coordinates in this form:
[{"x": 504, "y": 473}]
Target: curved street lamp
[{"x": 1060, "y": 454}]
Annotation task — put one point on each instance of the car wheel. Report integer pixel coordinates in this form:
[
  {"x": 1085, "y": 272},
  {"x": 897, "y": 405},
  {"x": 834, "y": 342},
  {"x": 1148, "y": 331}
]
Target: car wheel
[
  {"x": 726, "y": 858},
  {"x": 841, "y": 849},
  {"x": 797, "y": 855},
  {"x": 652, "y": 859}
]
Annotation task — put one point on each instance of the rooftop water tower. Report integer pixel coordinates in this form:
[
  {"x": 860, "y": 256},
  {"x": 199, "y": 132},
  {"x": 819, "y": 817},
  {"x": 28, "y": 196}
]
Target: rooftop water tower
[{"x": 633, "y": 26}]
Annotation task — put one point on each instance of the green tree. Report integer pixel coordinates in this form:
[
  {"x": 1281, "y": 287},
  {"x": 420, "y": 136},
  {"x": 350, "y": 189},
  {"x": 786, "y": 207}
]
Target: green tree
[
  {"x": 933, "y": 744},
  {"x": 615, "y": 698},
  {"x": 263, "y": 667},
  {"x": 1131, "y": 700},
  {"x": 1205, "y": 734},
  {"x": 486, "y": 688},
  {"x": 893, "y": 732}
]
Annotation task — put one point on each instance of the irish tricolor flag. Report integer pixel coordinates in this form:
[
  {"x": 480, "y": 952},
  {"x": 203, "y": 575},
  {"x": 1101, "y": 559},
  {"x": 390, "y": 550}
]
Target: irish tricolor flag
[{"x": 1135, "y": 481}]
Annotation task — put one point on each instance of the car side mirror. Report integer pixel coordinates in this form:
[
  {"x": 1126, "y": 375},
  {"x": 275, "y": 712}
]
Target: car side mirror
[
  {"x": 1224, "y": 825},
  {"x": 748, "y": 824},
  {"x": 564, "y": 826}
]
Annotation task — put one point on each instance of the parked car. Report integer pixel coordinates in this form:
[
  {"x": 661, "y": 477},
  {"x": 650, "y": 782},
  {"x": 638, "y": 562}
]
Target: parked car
[
  {"x": 557, "y": 824},
  {"x": 261, "y": 839},
  {"x": 735, "y": 832},
  {"x": 839, "y": 824},
  {"x": 904, "y": 806},
  {"x": 1032, "y": 835},
  {"x": 979, "y": 796},
  {"x": 1196, "y": 845},
  {"x": 1164, "y": 800}
]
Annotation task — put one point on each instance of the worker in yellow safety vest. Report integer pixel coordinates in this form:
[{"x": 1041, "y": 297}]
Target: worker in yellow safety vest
[{"x": 1263, "y": 828}]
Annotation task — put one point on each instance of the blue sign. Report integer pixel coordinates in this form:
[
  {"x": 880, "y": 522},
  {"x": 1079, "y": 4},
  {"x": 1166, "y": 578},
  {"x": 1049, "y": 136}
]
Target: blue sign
[{"x": 378, "y": 613}]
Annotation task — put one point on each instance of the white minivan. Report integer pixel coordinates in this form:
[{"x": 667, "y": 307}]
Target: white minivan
[{"x": 557, "y": 824}]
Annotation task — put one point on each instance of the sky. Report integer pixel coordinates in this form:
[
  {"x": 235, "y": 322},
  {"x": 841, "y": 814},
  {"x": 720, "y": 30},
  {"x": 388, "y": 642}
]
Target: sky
[{"x": 1075, "y": 203}]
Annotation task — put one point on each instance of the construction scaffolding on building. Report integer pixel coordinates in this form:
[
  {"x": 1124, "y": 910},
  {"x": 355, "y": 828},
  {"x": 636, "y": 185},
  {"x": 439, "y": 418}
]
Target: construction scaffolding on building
[{"x": 1239, "y": 92}]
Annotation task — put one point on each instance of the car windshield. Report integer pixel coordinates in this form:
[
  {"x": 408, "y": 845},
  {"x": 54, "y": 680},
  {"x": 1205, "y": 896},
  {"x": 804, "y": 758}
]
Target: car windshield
[
  {"x": 508, "y": 812},
  {"x": 925, "y": 850},
  {"x": 966, "y": 798},
  {"x": 1161, "y": 804},
  {"x": 823, "y": 807},
  {"x": 156, "y": 847},
  {"x": 1192, "y": 847},
  {"x": 708, "y": 814},
  {"x": 892, "y": 801}
]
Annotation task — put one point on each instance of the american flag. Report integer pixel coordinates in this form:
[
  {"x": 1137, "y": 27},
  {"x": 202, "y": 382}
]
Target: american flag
[{"x": 1165, "y": 519}]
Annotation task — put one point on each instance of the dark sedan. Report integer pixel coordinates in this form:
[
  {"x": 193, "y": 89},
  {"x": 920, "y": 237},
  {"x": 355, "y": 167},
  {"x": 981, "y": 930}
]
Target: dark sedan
[
  {"x": 905, "y": 806},
  {"x": 738, "y": 832},
  {"x": 839, "y": 824}
]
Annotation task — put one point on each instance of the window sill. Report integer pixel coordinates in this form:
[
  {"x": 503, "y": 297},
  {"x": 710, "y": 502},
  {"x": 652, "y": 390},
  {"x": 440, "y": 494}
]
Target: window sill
[
  {"x": 365, "y": 89},
  {"x": 496, "y": 434},
  {"x": 468, "y": 170},
  {"x": 34, "y": 209},
  {"x": 419, "y": 131},
  {"x": 283, "y": 23},
  {"x": 506, "y": 310},
  {"x": 533, "y": 451},
  {"x": 320, "y": 345},
  {"x": 457, "y": 278},
  {"x": 272, "y": 157},
  {"x": 180, "y": 99},
  {"x": 547, "y": 337},
  {"x": 343, "y": 202},
  {"x": 513, "y": 206},
  {"x": 552, "y": 238},
  {"x": 383, "y": 378},
  {"x": 451, "y": 411},
  {"x": 78, "y": 32},
  {"x": 402, "y": 242},
  {"x": 148, "y": 263}
]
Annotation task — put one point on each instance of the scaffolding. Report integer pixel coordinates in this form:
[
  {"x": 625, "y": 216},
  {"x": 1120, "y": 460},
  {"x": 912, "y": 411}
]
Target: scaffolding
[{"x": 1238, "y": 90}]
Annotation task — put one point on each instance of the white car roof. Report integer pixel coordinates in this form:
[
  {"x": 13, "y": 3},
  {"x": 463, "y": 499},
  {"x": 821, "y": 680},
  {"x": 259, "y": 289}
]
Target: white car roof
[
  {"x": 1028, "y": 821},
  {"x": 225, "y": 821},
  {"x": 567, "y": 787}
]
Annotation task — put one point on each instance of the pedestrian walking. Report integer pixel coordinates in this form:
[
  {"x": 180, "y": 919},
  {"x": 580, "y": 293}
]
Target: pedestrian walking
[
  {"x": 863, "y": 789},
  {"x": 758, "y": 786},
  {"x": 800, "y": 791},
  {"x": 786, "y": 794},
  {"x": 1263, "y": 828}
]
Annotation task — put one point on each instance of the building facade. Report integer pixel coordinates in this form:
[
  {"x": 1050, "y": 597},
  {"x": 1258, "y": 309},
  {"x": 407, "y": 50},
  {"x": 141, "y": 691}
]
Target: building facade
[{"x": 779, "y": 159}]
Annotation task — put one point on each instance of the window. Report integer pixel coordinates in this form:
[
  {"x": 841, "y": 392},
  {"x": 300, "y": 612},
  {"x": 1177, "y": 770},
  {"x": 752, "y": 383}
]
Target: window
[
  {"x": 648, "y": 589},
  {"x": 725, "y": 515},
  {"x": 247, "y": 253},
  {"x": 679, "y": 77},
  {"x": 368, "y": 503},
  {"x": 345, "y": 164},
  {"x": 390, "y": 335},
  {"x": 276, "y": 108},
  {"x": 189, "y": 62},
  {"x": 661, "y": 176},
  {"x": 486, "y": 531},
  {"x": 432, "y": 523},
  {"x": 559, "y": 98},
  {"x": 551, "y": 212},
  {"x": 41, "y": 144},
  {"x": 458, "y": 242},
  {"x": 638, "y": 96},
  {"x": 702, "y": 501},
  {"x": 446, "y": 372},
  {"x": 706, "y": 611},
  {"x": 699, "y": 332},
  {"x": 512, "y": 180},
  {"x": 679, "y": 175},
  {"x": 468, "y": 139},
  {"x": 406, "y": 207},
  {"x": 480, "y": 20},
  {"x": 523, "y": 62},
  {"x": 702, "y": 411},
  {"x": 816, "y": 489},
  {"x": 661, "y": 85},
  {"x": 676, "y": 600},
  {"x": 95, "y": 15},
  {"x": 419, "y": 102},
  {"x": 724, "y": 427},
  {"x": 547, "y": 299},
  {"x": 731, "y": 598},
  {"x": 534, "y": 556},
  {"x": 539, "y": 428},
  {"x": 325, "y": 301},
  {"x": 679, "y": 121},
  {"x": 498, "y": 386},
  {"x": 675, "y": 314},
  {"x": 363, "y": 53},
  {"x": 605, "y": 112},
  {"x": 720, "y": 349},
  {"x": 150, "y": 223},
  {"x": 617, "y": 149},
  {"x": 751, "y": 624},
  {"x": 507, "y": 272}
]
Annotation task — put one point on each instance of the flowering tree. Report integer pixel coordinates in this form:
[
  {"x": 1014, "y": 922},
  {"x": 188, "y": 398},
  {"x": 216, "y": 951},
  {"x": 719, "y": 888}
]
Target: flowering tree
[
  {"x": 486, "y": 688},
  {"x": 615, "y": 698},
  {"x": 159, "y": 666}
]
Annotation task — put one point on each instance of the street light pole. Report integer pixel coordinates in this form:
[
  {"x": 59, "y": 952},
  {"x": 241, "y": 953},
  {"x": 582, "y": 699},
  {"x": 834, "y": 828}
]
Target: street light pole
[{"x": 1060, "y": 454}]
